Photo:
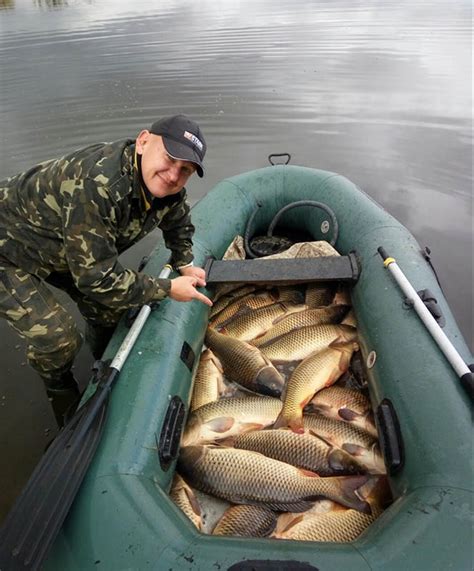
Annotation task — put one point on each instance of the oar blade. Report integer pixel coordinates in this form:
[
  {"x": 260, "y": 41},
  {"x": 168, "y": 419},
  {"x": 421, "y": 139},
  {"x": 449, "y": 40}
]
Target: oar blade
[{"x": 39, "y": 512}]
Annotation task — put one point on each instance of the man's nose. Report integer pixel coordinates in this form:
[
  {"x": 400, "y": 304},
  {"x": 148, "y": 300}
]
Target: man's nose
[{"x": 174, "y": 173}]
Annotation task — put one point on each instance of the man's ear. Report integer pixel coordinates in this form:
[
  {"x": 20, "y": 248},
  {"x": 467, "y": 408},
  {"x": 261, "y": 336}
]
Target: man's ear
[{"x": 142, "y": 140}]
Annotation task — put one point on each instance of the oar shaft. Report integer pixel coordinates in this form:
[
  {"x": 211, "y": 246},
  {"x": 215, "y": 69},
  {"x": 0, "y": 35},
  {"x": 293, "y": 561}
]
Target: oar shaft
[
  {"x": 437, "y": 333},
  {"x": 129, "y": 341},
  {"x": 117, "y": 363}
]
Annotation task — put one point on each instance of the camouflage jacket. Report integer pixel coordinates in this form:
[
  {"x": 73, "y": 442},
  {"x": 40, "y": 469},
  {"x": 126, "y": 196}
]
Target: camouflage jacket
[{"x": 76, "y": 214}]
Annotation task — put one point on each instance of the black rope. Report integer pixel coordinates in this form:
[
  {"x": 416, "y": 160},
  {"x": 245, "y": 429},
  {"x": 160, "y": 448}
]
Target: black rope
[{"x": 314, "y": 203}]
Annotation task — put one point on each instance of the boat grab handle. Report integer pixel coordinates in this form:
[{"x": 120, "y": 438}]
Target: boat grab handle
[
  {"x": 273, "y": 155},
  {"x": 168, "y": 445},
  {"x": 390, "y": 436}
]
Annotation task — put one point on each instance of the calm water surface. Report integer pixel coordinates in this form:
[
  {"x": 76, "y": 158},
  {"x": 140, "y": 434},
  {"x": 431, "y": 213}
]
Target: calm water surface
[{"x": 379, "y": 91}]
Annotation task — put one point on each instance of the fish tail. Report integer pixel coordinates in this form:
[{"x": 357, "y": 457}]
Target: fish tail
[
  {"x": 295, "y": 423},
  {"x": 348, "y": 487},
  {"x": 281, "y": 421}
]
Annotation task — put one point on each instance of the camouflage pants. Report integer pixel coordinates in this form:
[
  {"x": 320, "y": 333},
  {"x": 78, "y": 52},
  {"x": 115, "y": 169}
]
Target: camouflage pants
[{"x": 33, "y": 311}]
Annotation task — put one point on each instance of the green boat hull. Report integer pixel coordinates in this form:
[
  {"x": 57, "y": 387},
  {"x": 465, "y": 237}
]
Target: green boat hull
[{"x": 122, "y": 517}]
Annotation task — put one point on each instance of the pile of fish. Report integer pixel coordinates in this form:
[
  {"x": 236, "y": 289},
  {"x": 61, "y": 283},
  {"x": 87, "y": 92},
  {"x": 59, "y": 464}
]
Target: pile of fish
[{"x": 289, "y": 453}]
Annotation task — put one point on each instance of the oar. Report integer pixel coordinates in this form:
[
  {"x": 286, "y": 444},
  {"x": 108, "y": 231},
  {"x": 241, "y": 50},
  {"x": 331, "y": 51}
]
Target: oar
[
  {"x": 39, "y": 512},
  {"x": 448, "y": 349}
]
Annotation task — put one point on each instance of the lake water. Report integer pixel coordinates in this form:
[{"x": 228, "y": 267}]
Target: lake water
[{"x": 379, "y": 91}]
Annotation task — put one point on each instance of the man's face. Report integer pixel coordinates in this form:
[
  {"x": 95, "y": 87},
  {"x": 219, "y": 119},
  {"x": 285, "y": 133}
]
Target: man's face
[{"x": 163, "y": 175}]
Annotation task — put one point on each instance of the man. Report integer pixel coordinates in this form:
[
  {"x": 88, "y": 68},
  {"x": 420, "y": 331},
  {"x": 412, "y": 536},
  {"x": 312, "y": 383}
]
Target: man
[{"x": 65, "y": 222}]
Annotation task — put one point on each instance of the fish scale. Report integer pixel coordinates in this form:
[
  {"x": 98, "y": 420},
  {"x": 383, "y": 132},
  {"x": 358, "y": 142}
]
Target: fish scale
[
  {"x": 246, "y": 521},
  {"x": 354, "y": 440},
  {"x": 240, "y": 476},
  {"x": 248, "y": 325},
  {"x": 300, "y": 450},
  {"x": 340, "y": 526},
  {"x": 337, "y": 431},
  {"x": 208, "y": 381},
  {"x": 300, "y": 343},
  {"x": 343, "y": 403},
  {"x": 312, "y": 374},
  {"x": 242, "y": 305},
  {"x": 303, "y": 318},
  {"x": 231, "y": 416},
  {"x": 338, "y": 397},
  {"x": 184, "y": 497},
  {"x": 245, "y": 364}
]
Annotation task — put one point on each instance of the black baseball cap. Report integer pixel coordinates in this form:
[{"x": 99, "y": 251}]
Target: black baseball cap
[{"x": 182, "y": 139}]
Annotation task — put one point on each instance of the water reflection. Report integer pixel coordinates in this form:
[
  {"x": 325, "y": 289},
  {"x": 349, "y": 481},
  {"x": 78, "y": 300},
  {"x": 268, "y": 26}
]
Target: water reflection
[
  {"x": 379, "y": 91},
  {"x": 7, "y": 4},
  {"x": 50, "y": 4}
]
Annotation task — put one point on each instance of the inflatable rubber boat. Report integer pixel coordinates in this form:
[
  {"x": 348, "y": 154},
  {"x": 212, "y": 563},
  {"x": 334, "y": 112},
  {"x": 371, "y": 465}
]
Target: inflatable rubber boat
[{"x": 123, "y": 518}]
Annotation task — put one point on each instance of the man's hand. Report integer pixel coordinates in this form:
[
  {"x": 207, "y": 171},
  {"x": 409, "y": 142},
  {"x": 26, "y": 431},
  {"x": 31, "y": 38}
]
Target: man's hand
[
  {"x": 184, "y": 288},
  {"x": 194, "y": 272}
]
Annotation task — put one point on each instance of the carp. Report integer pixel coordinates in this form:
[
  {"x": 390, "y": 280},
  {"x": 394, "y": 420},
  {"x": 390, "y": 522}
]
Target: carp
[
  {"x": 244, "y": 477},
  {"x": 229, "y": 417},
  {"x": 209, "y": 380},
  {"x": 317, "y": 371},
  {"x": 245, "y": 364},
  {"x": 303, "y": 318},
  {"x": 184, "y": 497},
  {"x": 333, "y": 526},
  {"x": 246, "y": 521},
  {"x": 300, "y": 450},
  {"x": 249, "y": 325},
  {"x": 357, "y": 442},
  {"x": 345, "y": 404},
  {"x": 300, "y": 343}
]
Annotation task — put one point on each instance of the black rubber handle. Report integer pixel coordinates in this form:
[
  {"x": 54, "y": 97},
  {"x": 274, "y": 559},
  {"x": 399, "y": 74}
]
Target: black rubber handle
[
  {"x": 170, "y": 437},
  {"x": 390, "y": 436},
  {"x": 467, "y": 381},
  {"x": 383, "y": 253}
]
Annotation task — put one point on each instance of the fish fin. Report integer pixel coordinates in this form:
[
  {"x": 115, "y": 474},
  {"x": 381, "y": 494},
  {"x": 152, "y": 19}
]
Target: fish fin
[
  {"x": 322, "y": 438},
  {"x": 308, "y": 473},
  {"x": 336, "y": 459},
  {"x": 248, "y": 426},
  {"x": 288, "y": 522},
  {"x": 296, "y": 507},
  {"x": 296, "y": 424},
  {"x": 221, "y": 424},
  {"x": 338, "y": 343},
  {"x": 221, "y": 386},
  {"x": 227, "y": 442},
  {"x": 279, "y": 318},
  {"x": 325, "y": 440},
  {"x": 354, "y": 449},
  {"x": 369, "y": 425},
  {"x": 193, "y": 502},
  {"x": 379, "y": 492},
  {"x": 217, "y": 363},
  {"x": 346, "y": 355},
  {"x": 331, "y": 380},
  {"x": 280, "y": 422},
  {"x": 379, "y": 463},
  {"x": 342, "y": 462},
  {"x": 349, "y": 486},
  {"x": 347, "y": 414}
]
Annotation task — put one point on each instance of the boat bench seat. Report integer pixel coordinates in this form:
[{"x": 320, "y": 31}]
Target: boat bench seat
[{"x": 283, "y": 271}]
